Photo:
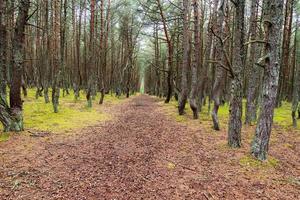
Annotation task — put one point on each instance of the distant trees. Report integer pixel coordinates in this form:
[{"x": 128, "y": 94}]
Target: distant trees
[{"x": 79, "y": 45}]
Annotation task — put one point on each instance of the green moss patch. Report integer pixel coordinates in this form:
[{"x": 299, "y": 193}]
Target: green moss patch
[
  {"x": 4, "y": 137},
  {"x": 41, "y": 116},
  {"x": 72, "y": 114},
  {"x": 249, "y": 161}
]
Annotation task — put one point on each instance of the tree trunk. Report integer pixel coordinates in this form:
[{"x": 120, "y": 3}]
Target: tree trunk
[
  {"x": 197, "y": 61},
  {"x": 170, "y": 53},
  {"x": 15, "y": 117},
  {"x": 185, "y": 62},
  {"x": 253, "y": 79},
  {"x": 272, "y": 17},
  {"x": 3, "y": 44},
  {"x": 56, "y": 55},
  {"x": 219, "y": 71},
  {"x": 285, "y": 53},
  {"x": 102, "y": 53},
  {"x": 46, "y": 44},
  {"x": 236, "y": 104},
  {"x": 209, "y": 49},
  {"x": 296, "y": 80}
]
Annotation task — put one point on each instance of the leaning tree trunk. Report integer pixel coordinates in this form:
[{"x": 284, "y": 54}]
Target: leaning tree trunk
[
  {"x": 185, "y": 62},
  {"x": 236, "y": 104},
  {"x": 272, "y": 17}
]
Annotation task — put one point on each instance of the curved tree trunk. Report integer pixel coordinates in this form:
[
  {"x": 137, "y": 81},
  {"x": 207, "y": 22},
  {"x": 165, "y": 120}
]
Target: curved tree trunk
[{"x": 272, "y": 23}]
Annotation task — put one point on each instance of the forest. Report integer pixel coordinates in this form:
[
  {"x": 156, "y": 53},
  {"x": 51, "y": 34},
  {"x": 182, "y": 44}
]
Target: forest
[{"x": 149, "y": 99}]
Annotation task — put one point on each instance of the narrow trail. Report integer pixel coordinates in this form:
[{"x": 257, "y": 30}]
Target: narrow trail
[{"x": 140, "y": 154}]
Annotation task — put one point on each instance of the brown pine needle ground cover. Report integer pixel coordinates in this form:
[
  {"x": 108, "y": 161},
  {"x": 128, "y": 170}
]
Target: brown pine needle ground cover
[{"x": 143, "y": 152}]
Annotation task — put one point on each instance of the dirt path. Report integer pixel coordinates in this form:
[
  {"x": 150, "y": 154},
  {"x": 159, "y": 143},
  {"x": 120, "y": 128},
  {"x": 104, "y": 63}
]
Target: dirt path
[{"x": 141, "y": 154}]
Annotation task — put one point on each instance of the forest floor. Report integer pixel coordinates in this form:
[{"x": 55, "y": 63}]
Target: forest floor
[{"x": 144, "y": 152}]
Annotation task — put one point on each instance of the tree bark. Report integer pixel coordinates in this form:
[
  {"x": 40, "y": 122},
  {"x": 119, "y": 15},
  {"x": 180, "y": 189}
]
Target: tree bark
[
  {"x": 219, "y": 71},
  {"x": 197, "y": 61},
  {"x": 272, "y": 17},
  {"x": 14, "y": 116},
  {"x": 185, "y": 62},
  {"x": 253, "y": 79},
  {"x": 285, "y": 53},
  {"x": 296, "y": 80},
  {"x": 236, "y": 104}
]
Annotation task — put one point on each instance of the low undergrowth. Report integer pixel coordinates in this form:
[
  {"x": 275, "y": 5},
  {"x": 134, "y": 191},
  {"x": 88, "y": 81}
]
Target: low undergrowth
[
  {"x": 249, "y": 161},
  {"x": 282, "y": 115},
  {"x": 283, "y": 143},
  {"x": 73, "y": 114}
]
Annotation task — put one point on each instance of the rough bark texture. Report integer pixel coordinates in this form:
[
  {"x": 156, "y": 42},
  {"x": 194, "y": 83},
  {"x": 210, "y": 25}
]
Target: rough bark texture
[
  {"x": 197, "y": 61},
  {"x": 5, "y": 117},
  {"x": 3, "y": 42},
  {"x": 272, "y": 17},
  {"x": 185, "y": 62},
  {"x": 253, "y": 79},
  {"x": 236, "y": 104},
  {"x": 15, "y": 117}
]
